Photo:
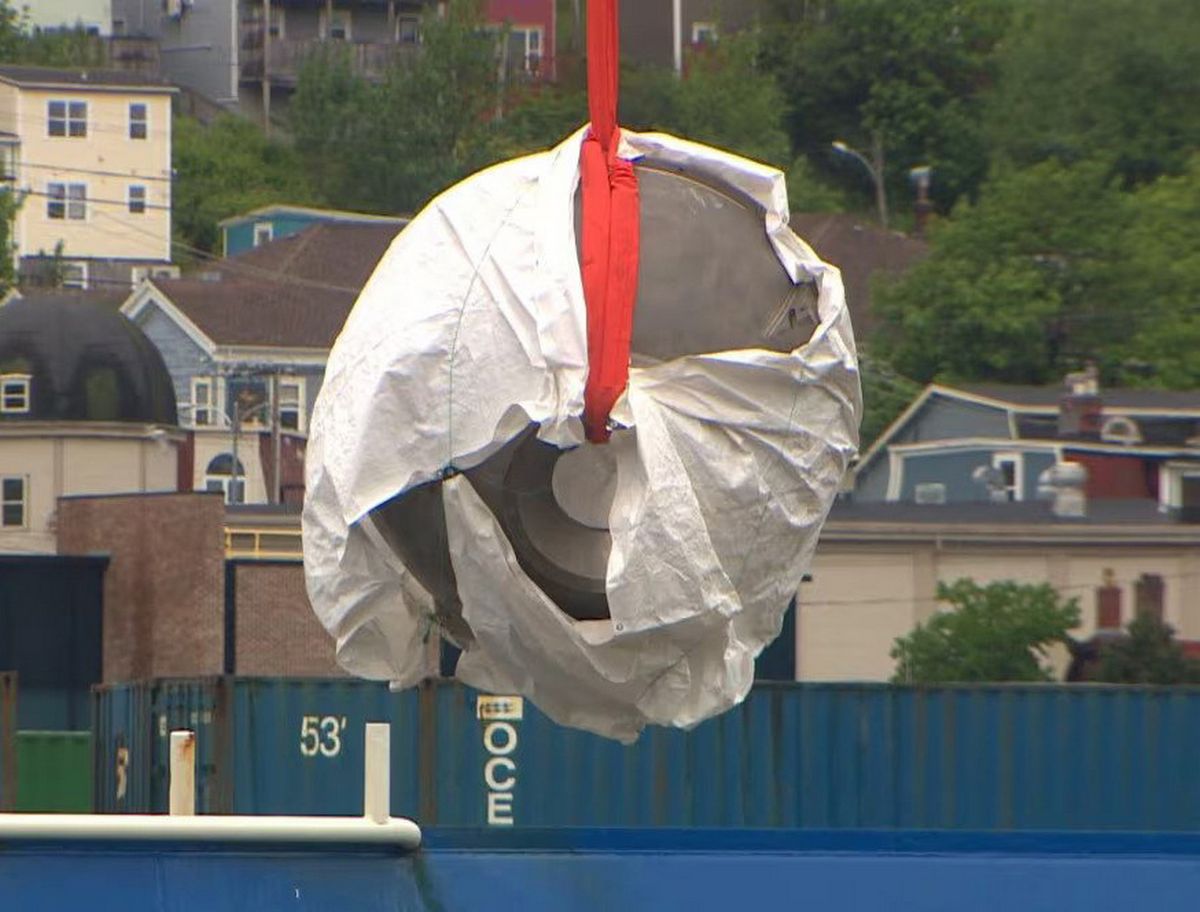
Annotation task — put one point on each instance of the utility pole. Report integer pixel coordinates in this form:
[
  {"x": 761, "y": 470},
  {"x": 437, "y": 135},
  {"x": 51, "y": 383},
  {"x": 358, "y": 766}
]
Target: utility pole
[
  {"x": 275, "y": 495},
  {"x": 266, "y": 67}
]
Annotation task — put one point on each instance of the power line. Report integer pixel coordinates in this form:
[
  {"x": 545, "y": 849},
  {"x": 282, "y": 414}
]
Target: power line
[{"x": 75, "y": 169}]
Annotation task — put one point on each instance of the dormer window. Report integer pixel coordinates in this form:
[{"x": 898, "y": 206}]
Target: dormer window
[
  {"x": 1119, "y": 429},
  {"x": 14, "y": 394}
]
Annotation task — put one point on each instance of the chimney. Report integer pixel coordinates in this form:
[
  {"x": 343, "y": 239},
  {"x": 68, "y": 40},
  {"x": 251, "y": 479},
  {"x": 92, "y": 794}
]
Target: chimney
[
  {"x": 1080, "y": 408},
  {"x": 1065, "y": 486}
]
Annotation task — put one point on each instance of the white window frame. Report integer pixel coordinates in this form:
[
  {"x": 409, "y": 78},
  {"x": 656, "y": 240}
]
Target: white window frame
[
  {"x": 1120, "y": 429},
  {"x": 15, "y": 390},
  {"x": 267, "y": 228},
  {"x": 79, "y": 281},
  {"x": 8, "y": 162},
  {"x": 73, "y": 199},
  {"x": 143, "y": 121},
  {"x": 533, "y": 48},
  {"x": 212, "y": 408},
  {"x": 22, "y": 502},
  {"x": 1017, "y": 491},
  {"x": 143, "y": 202},
  {"x": 700, "y": 28},
  {"x": 337, "y": 17},
  {"x": 301, "y": 406},
  {"x": 69, "y": 120},
  {"x": 224, "y": 483}
]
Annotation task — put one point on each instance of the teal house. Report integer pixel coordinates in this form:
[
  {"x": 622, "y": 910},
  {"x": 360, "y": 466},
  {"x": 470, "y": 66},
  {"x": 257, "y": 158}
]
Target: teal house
[{"x": 240, "y": 233}]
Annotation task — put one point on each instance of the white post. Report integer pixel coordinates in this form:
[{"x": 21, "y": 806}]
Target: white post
[
  {"x": 182, "y": 800},
  {"x": 677, "y": 34},
  {"x": 376, "y": 773}
]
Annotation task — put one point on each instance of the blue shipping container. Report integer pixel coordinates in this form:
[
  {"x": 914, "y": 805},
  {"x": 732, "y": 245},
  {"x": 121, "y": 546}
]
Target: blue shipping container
[
  {"x": 793, "y": 755},
  {"x": 628, "y": 870}
]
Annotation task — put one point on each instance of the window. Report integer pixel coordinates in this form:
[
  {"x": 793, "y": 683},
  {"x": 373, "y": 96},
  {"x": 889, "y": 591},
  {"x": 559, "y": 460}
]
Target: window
[
  {"x": 74, "y": 275},
  {"x": 291, "y": 404},
  {"x": 221, "y": 476},
  {"x": 8, "y": 163},
  {"x": 525, "y": 48},
  {"x": 264, "y": 232},
  {"x": 1119, "y": 429},
  {"x": 204, "y": 412},
  {"x": 276, "y": 28},
  {"x": 66, "y": 118},
  {"x": 14, "y": 393},
  {"x": 704, "y": 33},
  {"x": 12, "y": 502},
  {"x": 1009, "y": 467},
  {"x": 408, "y": 30},
  {"x": 137, "y": 199},
  {"x": 66, "y": 201},
  {"x": 248, "y": 400},
  {"x": 138, "y": 124},
  {"x": 335, "y": 24}
]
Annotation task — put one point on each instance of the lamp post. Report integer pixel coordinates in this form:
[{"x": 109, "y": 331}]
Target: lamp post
[{"x": 874, "y": 167}]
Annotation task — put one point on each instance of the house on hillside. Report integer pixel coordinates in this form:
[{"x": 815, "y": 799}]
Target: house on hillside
[
  {"x": 246, "y": 343},
  {"x": 247, "y": 230},
  {"x": 91, "y": 152},
  {"x": 650, "y": 33},
  {"x": 989, "y": 442},
  {"x": 242, "y": 54}
]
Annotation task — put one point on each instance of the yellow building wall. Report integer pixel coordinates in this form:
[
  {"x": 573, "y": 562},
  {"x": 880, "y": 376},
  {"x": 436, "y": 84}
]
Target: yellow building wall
[
  {"x": 107, "y": 161},
  {"x": 863, "y": 597},
  {"x": 56, "y": 466}
]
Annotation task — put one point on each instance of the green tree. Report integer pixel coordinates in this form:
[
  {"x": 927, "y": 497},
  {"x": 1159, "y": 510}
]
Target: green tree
[
  {"x": 224, "y": 168},
  {"x": 1100, "y": 78},
  {"x": 1160, "y": 281},
  {"x": 1018, "y": 287},
  {"x": 390, "y": 146},
  {"x": 1149, "y": 655},
  {"x": 20, "y": 43},
  {"x": 997, "y": 632},
  {"x": 886, "y": 394},
  {"x": 10, "y": 202},
  {"x": 910, "y": 73}
]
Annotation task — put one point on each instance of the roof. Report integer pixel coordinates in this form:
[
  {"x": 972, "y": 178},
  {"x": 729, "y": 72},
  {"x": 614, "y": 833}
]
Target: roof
[
  {"x": 106, "y": 298},
  {"x": 860, "y": 250},
  {"x": 32, "y": 77},
  {"x": 291, "y": 293},
  {"x": 86, "y": 363},
  {"x": 1116, "y": 398},
  {"x": 327, "y": 215},
  {"x": 1022, "y": 523}
]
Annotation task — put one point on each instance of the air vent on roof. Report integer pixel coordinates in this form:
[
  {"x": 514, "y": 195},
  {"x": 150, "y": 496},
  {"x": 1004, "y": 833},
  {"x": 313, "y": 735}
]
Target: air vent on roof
[
  {"x": 209, "y": 275},
  {"x": 930, "y": 492}
]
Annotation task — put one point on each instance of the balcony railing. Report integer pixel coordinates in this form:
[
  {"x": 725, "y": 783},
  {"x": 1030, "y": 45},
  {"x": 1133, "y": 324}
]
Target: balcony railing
[{"x": 286, "y": 56}]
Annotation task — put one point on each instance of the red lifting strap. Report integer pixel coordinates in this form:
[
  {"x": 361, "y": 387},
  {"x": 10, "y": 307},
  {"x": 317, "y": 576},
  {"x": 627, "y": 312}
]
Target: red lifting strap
[{"x": 610, "y": 229}]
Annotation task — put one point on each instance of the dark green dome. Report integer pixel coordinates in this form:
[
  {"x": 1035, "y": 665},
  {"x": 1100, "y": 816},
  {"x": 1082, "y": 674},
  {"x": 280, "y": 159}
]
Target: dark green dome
[{"x": 85, "y": 362}]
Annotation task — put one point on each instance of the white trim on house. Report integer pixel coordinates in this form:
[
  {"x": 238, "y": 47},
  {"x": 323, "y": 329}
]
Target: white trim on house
[
  {"x": 329, "y": 215},
  {"x": 1036, "y": 445},
  {"x": 148, "y": 293},
  {"x": 272, "y": 355}
]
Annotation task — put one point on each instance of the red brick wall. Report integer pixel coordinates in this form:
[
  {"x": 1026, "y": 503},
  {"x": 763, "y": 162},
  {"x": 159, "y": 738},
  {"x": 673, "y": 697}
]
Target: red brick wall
[
  {"x": 164, "y": 589},
  {"x": 277, "y": 631}
]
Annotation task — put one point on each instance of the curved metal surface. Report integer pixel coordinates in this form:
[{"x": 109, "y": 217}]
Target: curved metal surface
[{"x": 708, "y": 280}]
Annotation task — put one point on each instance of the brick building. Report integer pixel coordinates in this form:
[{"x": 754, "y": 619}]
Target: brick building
[{"x": 194, "y": 590}]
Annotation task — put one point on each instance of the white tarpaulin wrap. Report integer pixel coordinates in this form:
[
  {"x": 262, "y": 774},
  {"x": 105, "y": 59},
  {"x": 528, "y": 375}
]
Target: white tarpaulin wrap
[{"x": 472, "y": 326}]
